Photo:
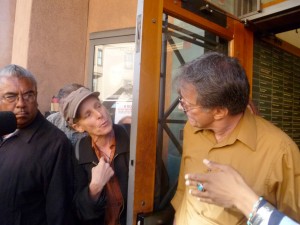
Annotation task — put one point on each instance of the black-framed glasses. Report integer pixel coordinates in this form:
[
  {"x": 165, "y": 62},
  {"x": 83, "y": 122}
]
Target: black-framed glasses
[
  {"x": 187, "y": 107},
  {"x": 13, "y": 98}
]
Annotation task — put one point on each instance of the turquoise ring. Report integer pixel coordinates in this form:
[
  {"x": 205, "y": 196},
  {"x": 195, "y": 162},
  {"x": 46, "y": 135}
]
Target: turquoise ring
[{"x": 200, "y": 187}]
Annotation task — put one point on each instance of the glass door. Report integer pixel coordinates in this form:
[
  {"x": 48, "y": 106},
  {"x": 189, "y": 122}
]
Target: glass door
[
  {"x": 112, "y": 71},
  {"x": 181, "y": 43}
]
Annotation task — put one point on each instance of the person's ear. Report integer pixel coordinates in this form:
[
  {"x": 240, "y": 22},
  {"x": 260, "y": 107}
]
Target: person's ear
[
  {"x": 78, "y": 128},
  {"x": 220, "y": 113}
]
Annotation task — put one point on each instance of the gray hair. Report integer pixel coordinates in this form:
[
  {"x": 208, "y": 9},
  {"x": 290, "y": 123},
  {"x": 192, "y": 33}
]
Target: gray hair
[
  {"x": 220, "y": 81},
  {"x": 14, "y": 70},
  {"x": 67, "y": 89}
]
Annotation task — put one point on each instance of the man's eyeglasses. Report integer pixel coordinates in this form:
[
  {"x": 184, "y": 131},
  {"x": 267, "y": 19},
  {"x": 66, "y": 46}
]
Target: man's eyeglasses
[
  {"x": 12, "y": 98},
  {"x": 187, "y": 107}
]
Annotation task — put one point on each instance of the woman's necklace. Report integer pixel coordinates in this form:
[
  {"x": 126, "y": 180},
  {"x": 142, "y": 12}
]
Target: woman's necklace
[
  {"x": 106, "y": 156},
  {"x": 111, "y": 147},
  {"x": 101, "y": 153}
]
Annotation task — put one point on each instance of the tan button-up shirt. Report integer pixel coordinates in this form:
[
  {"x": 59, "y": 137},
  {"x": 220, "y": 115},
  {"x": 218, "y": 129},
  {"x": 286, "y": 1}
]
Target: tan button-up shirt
[{"x": 264, "y": 155}]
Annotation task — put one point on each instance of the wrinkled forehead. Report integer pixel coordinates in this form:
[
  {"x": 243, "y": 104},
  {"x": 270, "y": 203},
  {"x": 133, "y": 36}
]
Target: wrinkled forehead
[{"x": 14, "y": 84}]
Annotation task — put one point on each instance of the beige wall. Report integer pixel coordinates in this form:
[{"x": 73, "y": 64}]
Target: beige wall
[
  {"x": 51, "y": 37},
  {"x": 21, "y": 33},
  {"x": 7, "y": 18},
  {"x": 110, "y": 15},
  {"x": 50, "y": 40}
]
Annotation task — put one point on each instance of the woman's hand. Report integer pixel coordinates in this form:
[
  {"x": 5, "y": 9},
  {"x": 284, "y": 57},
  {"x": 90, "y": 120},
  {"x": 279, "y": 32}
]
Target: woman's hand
[{"x": 101, "y": 174}]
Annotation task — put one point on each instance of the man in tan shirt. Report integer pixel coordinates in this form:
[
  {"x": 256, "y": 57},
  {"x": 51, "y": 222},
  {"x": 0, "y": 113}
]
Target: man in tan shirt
[{"x": 214, "y": 93}]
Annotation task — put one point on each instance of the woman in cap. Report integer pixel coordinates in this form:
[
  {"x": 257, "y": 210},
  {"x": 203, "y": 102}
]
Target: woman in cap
[{"x": 101, "y": 160}]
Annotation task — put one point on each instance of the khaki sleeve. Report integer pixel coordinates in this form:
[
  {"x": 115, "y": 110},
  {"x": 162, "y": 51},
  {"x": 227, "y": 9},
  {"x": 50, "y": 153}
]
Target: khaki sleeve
[{"x": 286, "y": 174}]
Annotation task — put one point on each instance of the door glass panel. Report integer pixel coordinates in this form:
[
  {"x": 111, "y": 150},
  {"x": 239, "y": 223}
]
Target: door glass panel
[
  {"x": 182, "y": 42},
  {"x": 113, "y": 77}
]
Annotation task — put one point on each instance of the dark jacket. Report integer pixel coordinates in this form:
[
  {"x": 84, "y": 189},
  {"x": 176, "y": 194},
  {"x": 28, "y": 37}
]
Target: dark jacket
[
  {"x": 36, "y": 176},
  {"x": 88, "y": 211}
]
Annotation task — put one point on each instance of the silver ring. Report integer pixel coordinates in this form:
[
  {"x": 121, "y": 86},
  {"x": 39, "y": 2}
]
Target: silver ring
[{"x": 200, "y": 187}]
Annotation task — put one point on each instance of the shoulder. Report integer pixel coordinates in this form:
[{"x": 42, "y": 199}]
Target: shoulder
[
  {"x": 83, "y": 150},
  {"x": 47, "y": 131},
  {"x": 46, "y": 139},
  {"x": 84, "y": 141},
  {"x": 83, "y": 145},
  {"x": 57, "y": 120},
  {"x": 122, "y": 136},
  {"x": 53, "y": 116},
  {"x": 274, "y": 139},
  {"x": 266, "y": 129},
  {"x": 52, "y": 128},
  {"x": 122, "y": 129}
]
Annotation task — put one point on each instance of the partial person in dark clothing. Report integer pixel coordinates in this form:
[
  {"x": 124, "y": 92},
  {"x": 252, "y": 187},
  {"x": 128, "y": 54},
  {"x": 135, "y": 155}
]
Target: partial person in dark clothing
[
  {"x": 36, "y": 174},
  {"x": 57, "y": 118},
  {"x": 101, "y": 160}
]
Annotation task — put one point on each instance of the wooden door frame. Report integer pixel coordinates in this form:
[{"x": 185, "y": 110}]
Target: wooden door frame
[{"x": 146, "y": 89}]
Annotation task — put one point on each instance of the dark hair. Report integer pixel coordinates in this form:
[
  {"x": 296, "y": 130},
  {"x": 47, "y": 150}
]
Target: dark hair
[
  {"x": 220, "y": 81},
  {"x": 13, "y": 70},
  {"x": 67, "y": 89}
]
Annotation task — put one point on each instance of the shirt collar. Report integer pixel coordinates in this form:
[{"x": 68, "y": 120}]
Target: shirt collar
[{"x": 245, "y": 131}]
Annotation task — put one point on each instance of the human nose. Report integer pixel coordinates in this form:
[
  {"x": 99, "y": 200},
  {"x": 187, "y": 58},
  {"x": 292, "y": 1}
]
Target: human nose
[
  {"x": 20, "y": 100},
  {"x": 99, "y": 114}
]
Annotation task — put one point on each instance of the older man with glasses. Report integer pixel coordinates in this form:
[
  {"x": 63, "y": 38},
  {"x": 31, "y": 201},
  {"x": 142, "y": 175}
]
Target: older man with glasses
[
  {"x": 35, "y": 161},
  {"x": 214, "y": 94}
]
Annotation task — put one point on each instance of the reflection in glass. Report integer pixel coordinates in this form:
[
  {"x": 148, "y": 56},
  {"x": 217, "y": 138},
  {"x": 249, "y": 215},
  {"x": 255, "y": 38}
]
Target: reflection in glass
[{"x": 113, "y": 76}]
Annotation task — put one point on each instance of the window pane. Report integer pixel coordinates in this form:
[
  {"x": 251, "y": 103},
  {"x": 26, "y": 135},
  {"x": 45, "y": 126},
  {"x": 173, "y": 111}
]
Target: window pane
[{"x": 113, "y": 77}]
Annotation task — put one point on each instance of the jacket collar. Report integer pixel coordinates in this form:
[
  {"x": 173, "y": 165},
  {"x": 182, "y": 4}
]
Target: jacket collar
[
  {"x": 87, "y": 153},
  {"x": 27, "y": 133}
]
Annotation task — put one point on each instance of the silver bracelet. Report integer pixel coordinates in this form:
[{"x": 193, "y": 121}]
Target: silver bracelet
[
  {"x": 254, "y": 210},
  {"x": 263, "y": 214}
]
